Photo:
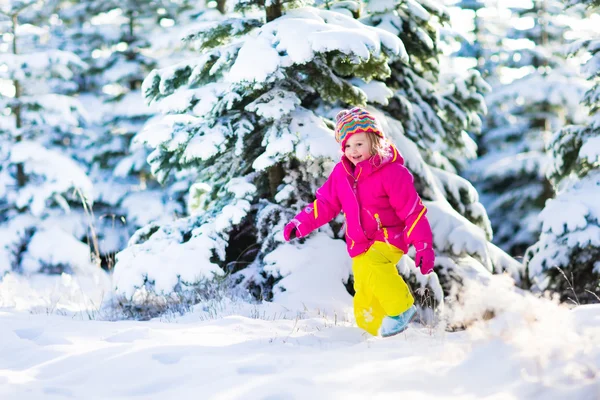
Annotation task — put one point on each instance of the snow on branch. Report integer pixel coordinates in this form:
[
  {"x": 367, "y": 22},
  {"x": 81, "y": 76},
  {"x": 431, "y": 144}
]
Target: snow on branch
[
  {"x": 57, "y": 175},
  {"x": 22, "y": 66},
  {"x": 301, "y": 34}
]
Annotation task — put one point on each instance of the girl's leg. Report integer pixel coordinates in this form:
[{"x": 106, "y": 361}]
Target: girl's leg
[
  {"x": 368, "y": 312},
  {"x": 380, "y": 290},
  {"x": 384, "y": 281}
]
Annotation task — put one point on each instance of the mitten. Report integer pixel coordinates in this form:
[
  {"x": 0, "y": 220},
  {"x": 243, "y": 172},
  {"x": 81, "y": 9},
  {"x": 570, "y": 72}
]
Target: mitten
[
  {"x": 290, "y": 231},
  {"x": 424, "y": 257}
]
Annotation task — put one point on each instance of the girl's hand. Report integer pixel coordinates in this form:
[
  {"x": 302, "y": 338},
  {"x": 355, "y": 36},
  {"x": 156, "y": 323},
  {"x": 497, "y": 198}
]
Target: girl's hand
[
  {"x": 291, "y": 230},
  {"x": 424, "y": 258}
]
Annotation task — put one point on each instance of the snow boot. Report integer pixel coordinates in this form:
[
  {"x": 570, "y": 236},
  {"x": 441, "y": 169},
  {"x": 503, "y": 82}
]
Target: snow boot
[{"x": 391, "y": 326}]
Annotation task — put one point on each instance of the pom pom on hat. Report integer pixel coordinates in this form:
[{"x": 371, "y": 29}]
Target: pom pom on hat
[{"x": 355, "y": 120}]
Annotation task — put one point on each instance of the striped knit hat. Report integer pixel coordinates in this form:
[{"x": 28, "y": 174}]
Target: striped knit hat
[{"x": 355, "y": 120}]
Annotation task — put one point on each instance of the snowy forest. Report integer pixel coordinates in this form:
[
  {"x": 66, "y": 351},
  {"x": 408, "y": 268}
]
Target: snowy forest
[{"x": 151, "y": 153}]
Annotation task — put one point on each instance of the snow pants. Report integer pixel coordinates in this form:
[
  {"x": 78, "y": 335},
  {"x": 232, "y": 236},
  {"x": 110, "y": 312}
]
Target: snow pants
[{"x": 380, "y": 290}]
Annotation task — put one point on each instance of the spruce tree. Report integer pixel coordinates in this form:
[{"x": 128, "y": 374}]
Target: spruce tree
[
  {"x": 565, "y": 260},
  {"x": 242, "y": 112},
  {"x": 117, "y": 46},
  {"x": 44, "y": 191},
  {"x": 511, "y": 172}
]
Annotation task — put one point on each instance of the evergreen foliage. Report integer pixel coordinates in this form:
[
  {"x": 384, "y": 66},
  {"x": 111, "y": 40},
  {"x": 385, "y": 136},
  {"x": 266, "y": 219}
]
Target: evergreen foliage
[
  {"x": 241, "y": 114},
  {"x": 115, "y": 39},
  {"x": 44, "y": 191},
  {"x": 487, "y": 40},
  {"x": 565, "y": 260},
  {"x": 511, "y": 174}
]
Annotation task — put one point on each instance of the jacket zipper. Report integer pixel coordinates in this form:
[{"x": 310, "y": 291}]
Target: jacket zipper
[
  {"x": 380, "y": 226},
  {"x": 355, "y": 191}
]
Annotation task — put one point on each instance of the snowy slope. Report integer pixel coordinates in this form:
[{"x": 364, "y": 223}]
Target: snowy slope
[{"x": 230, "y": 350}]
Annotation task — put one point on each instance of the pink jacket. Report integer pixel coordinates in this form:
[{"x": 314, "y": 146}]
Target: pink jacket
[{"x": 379, "y": 201}]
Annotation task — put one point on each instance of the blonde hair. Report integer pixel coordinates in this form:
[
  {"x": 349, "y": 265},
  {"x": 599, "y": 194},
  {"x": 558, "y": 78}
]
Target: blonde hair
[{"x": 378, "y": 145}]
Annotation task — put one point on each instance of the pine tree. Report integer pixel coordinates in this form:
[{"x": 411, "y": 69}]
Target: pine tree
[
  {"x": 565, "y": 259},
  {"x": 43, "y": 190},
  {"x": 117, "y": 46},
  {"x": 511, "y": 173},
  {"x": 242, "y": 112}
]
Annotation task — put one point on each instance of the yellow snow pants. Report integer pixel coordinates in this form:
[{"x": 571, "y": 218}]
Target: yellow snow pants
[{"x": 380, "y": 290}]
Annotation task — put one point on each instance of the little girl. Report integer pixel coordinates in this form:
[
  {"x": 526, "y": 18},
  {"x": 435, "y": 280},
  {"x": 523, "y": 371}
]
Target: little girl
[{"x": 384, "y": 215}]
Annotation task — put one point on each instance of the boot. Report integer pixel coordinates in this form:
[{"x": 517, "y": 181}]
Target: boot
[{"x": 391, "y": 326}]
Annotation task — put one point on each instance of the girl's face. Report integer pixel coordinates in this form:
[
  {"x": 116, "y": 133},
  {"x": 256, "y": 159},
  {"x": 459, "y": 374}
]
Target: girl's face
[{"x": 358, "y": 148}]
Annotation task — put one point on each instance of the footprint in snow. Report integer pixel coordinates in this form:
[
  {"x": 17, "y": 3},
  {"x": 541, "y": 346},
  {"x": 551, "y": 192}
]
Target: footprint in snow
[
  {"x": 167, "y": 358},
  {"x": 29, "y": 333},
  {"x": 256, "y": 370},
  {"x": 58, "y": 391},
  {"x": 38, "y": 336},
  {"x": 128, "y": 336}
]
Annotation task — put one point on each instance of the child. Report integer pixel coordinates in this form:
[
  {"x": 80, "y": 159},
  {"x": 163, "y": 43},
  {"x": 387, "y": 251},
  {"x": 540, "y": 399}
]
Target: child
[{"x": 384, "y": 215}]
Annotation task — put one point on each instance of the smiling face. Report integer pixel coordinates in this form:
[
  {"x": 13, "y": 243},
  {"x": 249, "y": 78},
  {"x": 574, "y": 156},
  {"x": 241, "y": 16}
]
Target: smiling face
[{"x": 358, "y": 148}]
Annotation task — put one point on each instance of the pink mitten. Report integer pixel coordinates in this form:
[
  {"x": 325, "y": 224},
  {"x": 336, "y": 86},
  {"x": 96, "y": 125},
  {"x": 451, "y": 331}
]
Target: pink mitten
[
  {"x": 424, "y": 257},
  {"x": 290, "y": 231}
]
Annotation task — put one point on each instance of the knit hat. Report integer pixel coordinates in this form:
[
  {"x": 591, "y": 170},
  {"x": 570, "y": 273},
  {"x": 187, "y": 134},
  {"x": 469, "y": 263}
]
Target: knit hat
[{"x": 355, "y": 120}]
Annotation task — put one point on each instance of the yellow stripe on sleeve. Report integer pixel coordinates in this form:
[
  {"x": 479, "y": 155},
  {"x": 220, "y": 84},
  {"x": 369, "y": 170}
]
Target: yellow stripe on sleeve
[
  {"x": 315, "y": 210},
  {"x": 417, "y": 220}
]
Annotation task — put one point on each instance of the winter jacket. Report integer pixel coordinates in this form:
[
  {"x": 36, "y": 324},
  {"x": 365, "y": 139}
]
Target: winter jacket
[{"x": 379, "y": 201}]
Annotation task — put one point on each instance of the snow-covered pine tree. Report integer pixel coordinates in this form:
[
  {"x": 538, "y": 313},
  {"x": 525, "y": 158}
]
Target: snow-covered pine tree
[
  {"x": 40, "y": 183},
  {"x": 430, "y": 118},
  {"x": 511, "y": 173},
  {"x": 114, "y": 37},
  {"x": 566, "y": 259},
  {"x": 241, "y": 112}
]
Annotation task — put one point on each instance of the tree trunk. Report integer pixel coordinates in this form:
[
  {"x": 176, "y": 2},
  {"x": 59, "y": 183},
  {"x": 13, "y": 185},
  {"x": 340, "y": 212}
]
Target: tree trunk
[
  {"x": 221, "y": 6},
  {"x": 276, "y": 175},
  {"x": 274, "y": 11},
  {"x": 17, "y": 110},
  {"x": 130, "y": 54}
]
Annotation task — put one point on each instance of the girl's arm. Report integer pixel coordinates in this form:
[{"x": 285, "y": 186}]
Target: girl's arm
[
  {"x": 408, "y": 206},
  {"x": 318, "y": 213}
]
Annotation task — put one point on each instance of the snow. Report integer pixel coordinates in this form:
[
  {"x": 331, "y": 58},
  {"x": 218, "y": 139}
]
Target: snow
[
  {"x": 158, "y": 130},
  {"x": 274, "y": 104},
  {"x": 376, "y": 91},
  {"x": 63, "y": 112},
  {"x": 228, "y": 349},
  {"x": 301, "y": 34},
  {"x": 55, "y": 247},
  {"x": 145, "y": 207},
  {"x": 590, "y": 150},
  {"x": 22, "y": 66},
  {"x": 167, "y": 262},
  {"x": 315, "y": 139},
  {"x": 569, "y": 222},
  {"x": 465, "y": 237},
  {"x": 206, "y": 144},
  {"x": 319, "y": 256},
  {"x": 60, "y": 174}
]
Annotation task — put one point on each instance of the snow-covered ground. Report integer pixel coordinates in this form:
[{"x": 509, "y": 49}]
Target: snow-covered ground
[{"x": 534, "y": 349}]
